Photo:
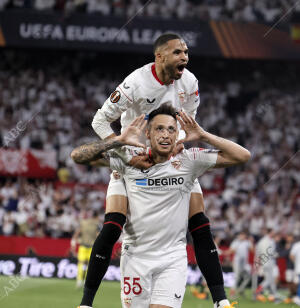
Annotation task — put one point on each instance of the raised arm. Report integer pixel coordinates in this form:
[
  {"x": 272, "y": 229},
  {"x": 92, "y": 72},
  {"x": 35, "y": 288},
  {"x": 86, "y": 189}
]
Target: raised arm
[
  {"x": 230, "y": 153},
  {"x": 118, "y": 102},
  {"x": 96, "y": 150}
]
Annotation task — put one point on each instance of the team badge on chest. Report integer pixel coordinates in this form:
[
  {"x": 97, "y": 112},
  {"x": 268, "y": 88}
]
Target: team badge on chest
[{"x": 176, "y": 164}]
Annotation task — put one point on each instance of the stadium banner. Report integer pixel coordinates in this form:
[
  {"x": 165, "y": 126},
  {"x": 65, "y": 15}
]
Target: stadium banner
[
  {"x": 20, "y": 267},
  {"x": 41, "y": 249},
  {"x": 31, "y": 29},
  {"x": 32, "y": 164},
  {"x": 98, "y": 32},
  {"x": 56, "y": 247},
  {"x": 45, "y": 247}
]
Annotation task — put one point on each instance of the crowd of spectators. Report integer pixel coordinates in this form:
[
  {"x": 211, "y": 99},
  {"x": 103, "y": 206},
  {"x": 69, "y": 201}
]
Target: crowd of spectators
[
  {"x": 256, "y": 105},
  {"x": 238, "y": 10},
  {"x": 40, "y": 208}
]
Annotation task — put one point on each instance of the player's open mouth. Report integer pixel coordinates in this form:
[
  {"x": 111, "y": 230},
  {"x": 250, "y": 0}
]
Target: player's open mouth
[
  {"x": 180, "y": 68},
  {"x": 164, "y": 144}
]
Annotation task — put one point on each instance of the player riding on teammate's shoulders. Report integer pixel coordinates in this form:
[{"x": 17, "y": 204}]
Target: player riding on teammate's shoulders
[{"x": 154, "y": 253}]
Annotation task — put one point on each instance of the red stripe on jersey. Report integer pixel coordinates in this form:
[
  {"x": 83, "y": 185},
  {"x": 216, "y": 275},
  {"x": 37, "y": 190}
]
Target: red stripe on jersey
[
  {"x": 194, "y": 151},
  {"x": 155, "y": 75},
  {"x": 114, "y": 223},
  {"x": 197, "y": 149},
  {"x": 204, "y": 225}
]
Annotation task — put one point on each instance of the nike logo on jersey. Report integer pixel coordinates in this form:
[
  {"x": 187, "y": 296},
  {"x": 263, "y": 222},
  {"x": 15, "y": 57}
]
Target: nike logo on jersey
[
  {"x": 100, "y": 257},
  {"x": 177, "y": 296},
  {"x": 214, "y": 250},
  {"x": 149, "y": 101},
  {"x": 125, "y": 86}
]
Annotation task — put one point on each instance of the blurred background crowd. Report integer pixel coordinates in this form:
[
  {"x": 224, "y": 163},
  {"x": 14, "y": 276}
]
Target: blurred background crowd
[
  {"x": 238, "y": 10},
  {"x": 257, "y": 105}
]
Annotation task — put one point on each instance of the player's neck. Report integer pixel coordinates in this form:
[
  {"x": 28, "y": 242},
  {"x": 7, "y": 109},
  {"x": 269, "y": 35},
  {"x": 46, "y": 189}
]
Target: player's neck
[
  {"x": 158, "y": 159},
  {"x": 162, "y": 75}
]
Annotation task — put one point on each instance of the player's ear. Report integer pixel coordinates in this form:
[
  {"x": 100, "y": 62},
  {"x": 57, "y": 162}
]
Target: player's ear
[
  {"x": 157, "y": 56},
  {"x": 147, "y": 132}
]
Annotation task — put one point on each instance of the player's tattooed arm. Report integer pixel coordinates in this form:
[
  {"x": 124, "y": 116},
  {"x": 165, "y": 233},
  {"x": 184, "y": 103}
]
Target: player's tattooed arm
[
  {"x": 89, "y": 152},
  {"x": 95, "y": 150}
]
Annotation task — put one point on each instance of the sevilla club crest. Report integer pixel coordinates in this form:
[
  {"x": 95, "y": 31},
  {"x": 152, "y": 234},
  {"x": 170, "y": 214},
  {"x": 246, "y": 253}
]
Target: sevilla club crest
[{"x": 176, "y": 164}]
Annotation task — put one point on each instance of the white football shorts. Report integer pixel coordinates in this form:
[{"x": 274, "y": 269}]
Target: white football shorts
[
  {"x": 291, "y": 276},
  {"x": 149, "y": 281},
  {"x": 116, "y": 185}
]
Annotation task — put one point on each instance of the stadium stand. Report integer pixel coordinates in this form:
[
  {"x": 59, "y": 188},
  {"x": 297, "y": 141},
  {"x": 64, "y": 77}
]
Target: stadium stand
[{"x": 239, "y": 10}]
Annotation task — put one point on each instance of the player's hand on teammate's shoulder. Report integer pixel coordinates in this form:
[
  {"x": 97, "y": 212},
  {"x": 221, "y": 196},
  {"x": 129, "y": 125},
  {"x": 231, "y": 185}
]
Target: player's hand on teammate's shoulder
[
  {"x": 141, "y": 161},
  {"x": 192, "y": 129}
]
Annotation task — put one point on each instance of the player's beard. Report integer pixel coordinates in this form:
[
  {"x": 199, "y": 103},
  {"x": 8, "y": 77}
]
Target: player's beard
[{"x": 171, "y": 71}]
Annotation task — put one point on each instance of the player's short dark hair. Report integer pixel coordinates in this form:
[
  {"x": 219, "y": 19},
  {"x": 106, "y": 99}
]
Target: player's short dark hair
[
  {"x": 163, "y": 109},
  {"x": 164, "y": 38}
]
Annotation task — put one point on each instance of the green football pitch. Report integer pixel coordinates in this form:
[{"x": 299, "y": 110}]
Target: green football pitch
[{"x": 59, "y": 293}]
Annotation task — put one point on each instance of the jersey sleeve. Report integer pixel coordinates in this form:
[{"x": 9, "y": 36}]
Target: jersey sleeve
[
  {"x": 125, "y": 153},
  {"x": 118, "y": 102},
  {"x": 201, "y": 160},
  {"x": 115, "y": 162},
  {"x": 193, "y": 99}
]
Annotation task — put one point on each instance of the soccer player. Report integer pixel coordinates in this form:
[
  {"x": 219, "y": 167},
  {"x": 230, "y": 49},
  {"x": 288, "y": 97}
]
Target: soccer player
[
  {"x": 266, "y": 255},
  {"x": 241, "y": 247},
  {"x": 165, "y": 81},
  {"x": 85, "y": 235},
  {"x": 284, "y": 248},
  {"x": 295, "y": 257},
  {"x": 153, "y": 262}
]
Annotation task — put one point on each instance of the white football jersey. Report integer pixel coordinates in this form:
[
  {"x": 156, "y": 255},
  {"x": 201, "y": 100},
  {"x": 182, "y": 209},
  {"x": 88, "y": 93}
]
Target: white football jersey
[
  {"x": 157, "y": 218},
  {"x": 266, "y": 246},
  {"x": 295, "y": 251},
  {"x": 241, "y": 249},
  {"x": 142, "y": 92}
]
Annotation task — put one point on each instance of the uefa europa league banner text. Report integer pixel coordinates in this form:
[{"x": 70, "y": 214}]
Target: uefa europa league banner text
[{"x": 114, "y": 34}]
